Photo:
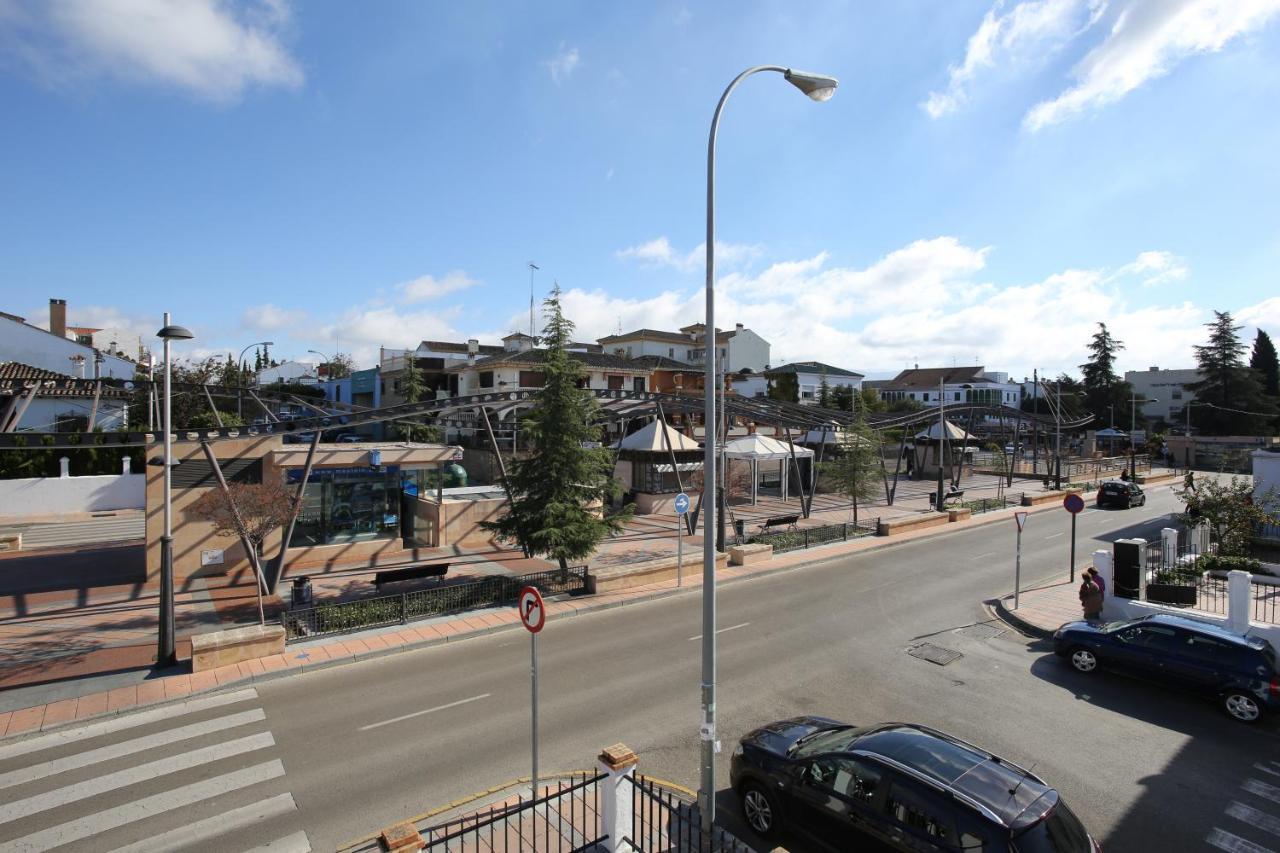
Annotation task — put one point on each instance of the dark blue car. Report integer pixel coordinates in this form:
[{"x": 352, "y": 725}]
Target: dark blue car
[{"x": 1236, "y": 671}]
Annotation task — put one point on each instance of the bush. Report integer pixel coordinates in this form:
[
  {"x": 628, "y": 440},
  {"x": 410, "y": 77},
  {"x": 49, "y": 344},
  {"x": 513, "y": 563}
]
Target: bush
[{"x": 1220, "y": 563}]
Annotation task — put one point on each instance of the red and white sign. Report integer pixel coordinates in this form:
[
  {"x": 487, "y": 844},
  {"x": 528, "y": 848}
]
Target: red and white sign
[
  {"x": 1021, "y": 518},
  {"x": 1073, "y": 503},
  {"x": 532, "y": 613}
]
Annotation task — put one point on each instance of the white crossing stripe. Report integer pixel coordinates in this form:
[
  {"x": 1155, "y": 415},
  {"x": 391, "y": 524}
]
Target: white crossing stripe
[
  {"x": 421, "y": 713},
  {"x": 1250, "y": 815},
  {"x": 1266, "y": 769},
  {"x": 124, "y": 721},
  {"x": 296, "y": 843},
  {"x": 1224, "y": 840},
  {"x": 132, "y": 776},
  {"x": 95, "y": 824},
  {"x": 722, "y": 630},
  {"x": 203, "y": 830},
  {"x": 1262, "y": 789},
  {"x": 128, "y": 747}
]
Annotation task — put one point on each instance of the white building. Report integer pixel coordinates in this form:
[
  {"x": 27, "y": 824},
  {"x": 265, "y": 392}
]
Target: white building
[
  {"x": 68, "y": 409},
  {"x": 54, "y": 351},
  {"x": 809, "y": 376},
  {"x": 289, "y": 371},
  {"x": 518, "y": 370},
  {"x": 1165, "y": 391},
  {"x": 738, "y": 348},
  {"x": 965, "y": 385}
]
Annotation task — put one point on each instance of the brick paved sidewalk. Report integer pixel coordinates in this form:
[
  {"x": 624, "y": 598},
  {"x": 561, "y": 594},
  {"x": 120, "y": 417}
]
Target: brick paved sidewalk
[{"x": 1042, "y": 610}]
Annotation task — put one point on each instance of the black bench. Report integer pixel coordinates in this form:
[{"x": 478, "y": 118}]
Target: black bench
[
  {"x": 428, "y": 570},
  {"x": 953, "y": 495},
  {"x": 779, "y": 521}
]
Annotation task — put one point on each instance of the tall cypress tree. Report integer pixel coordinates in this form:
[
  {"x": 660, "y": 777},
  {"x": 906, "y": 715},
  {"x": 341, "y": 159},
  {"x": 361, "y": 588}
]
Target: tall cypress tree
[
  {"x": 1102, "y": 386},
  {"x": 1264, "y": 361},
  {"x": 1233, "y": 392},
  {"x": 558, "y": 490},
  {"x": 824, "y": 391}
]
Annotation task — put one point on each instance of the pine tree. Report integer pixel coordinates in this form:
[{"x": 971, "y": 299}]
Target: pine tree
[
  {"x": 854, "y": 468},
  {"x": 557, "y": 492},
  {"x": 784, "y": 387},
  {"x": 824, "y": 391},
  {"x": 412, "y": 388},
  {"x": 1102, "y": 387},
  {"x": 1235, "y": 402},
  {"x": 1264, "y": 361}
]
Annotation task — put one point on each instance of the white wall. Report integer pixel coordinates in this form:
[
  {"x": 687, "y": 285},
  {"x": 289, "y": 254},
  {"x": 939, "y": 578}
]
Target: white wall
[
  {"x": 30, "y": 345},
  {"x": 289, "y": 371},
  {"x": 42, "y": 414},
  {"x": 747, "y": 349},
  {"x": 1266, "y": 473},
  {"x": 55, "y": 495}
]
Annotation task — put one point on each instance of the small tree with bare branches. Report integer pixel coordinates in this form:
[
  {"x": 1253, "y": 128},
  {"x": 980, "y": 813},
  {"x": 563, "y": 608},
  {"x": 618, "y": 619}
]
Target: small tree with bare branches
[{"x": 249, "y": 511}]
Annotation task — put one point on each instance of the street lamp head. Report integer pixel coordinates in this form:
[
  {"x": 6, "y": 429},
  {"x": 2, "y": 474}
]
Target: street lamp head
[
  {"x": 817, "y": 86},
  {"x": 174, "y": 333}
]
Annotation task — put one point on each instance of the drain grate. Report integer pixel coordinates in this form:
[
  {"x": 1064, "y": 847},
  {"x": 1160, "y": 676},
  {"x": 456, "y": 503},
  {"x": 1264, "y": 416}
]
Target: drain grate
[
  {"x": 980, "y": 631},
  {"x": 934, "y": 654}
]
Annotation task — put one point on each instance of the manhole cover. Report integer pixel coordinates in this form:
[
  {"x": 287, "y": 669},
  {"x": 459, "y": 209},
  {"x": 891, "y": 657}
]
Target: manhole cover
[
  {"x": 934, "y": 654},
  {"x": 981, "y": 631}
]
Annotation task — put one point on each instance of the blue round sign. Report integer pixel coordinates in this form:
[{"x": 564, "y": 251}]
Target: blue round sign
[
  {"x": 1073, "y": 503},
  {"x": 682, "y": 503}
]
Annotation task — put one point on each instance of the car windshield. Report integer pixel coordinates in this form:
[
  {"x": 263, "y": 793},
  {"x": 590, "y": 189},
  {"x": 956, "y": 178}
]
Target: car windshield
[
  {"x": 827, "y": 740},
  {"x": 1060, "y": 831},
  {"x": 1117, "y": 626}
]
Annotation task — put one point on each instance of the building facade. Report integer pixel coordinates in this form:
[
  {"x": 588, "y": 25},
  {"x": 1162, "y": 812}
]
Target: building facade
[
  {"x": 738, "y": 348},
  {"x": 50, "y": 350},
  {"x": 1164, "y": 392},
  {"x": 932, "y": 386},
  {"x": 809, "y": 377},
  {"x": 74, "y": 409}
]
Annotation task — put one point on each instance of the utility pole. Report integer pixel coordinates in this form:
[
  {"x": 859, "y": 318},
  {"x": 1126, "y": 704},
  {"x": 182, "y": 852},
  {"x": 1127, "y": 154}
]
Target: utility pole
[
  {"x": 1035, "y": 423},
  {"x": 532, "y": 268},
  {"x": 942, "y": 431},
  {"x": 1057, "y": 438}
]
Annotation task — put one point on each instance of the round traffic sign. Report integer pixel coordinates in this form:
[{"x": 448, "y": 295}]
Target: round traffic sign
[
  {"x": 1073, "y": 503},
  {"x": 682, "y": 503},
  {"x": 532, "y": 613}
]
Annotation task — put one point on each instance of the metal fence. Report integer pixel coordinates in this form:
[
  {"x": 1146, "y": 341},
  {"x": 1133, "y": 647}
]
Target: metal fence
[
  {"x": 348, "y": 616},
  {"x": 664, "y": 821},
  {"x": 1267, "y": 532},
  {"x": 1176, "y": 579},
  {"x": 981, "y": 505},
  {"x": 808, "y": 537},
  {"x": 563, "y": 818},
  {"x": 1265, "y": 603}
]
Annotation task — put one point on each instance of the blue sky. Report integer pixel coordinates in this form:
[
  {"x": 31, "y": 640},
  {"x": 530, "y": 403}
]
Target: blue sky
[{"x": 989, "y": 181}]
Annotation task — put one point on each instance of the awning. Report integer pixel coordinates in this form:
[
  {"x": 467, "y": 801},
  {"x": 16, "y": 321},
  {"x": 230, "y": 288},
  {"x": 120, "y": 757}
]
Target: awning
[
  {"x": 763, "y": 447},
  {"x": 648, "y": 439}
]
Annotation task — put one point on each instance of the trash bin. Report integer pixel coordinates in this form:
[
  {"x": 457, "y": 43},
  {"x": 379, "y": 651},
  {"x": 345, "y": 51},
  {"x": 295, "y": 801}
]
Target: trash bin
[
  {"x": 301, "y": 591},
  {"x": 740, "y": 529}
]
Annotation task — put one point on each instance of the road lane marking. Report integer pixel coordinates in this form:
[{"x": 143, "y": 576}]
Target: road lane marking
[
  {"x": 983, "y": 554},
  {"x": 1254, "y": 817},
  {"x": 1224, "y": 840},
  {"x": 201, "y": 831},
  {"x": 1262, "y": 789},
  {"x": 296, "y": 843},
  {"x": 129, "y": 721},
  {"x": 128, "y": 747},
  {"x": 1056, "y": 535},
  {"x": 423, "y": 712},
  {"x": 132, "y": 776},
  {"x": 176, "y": 798},
  {"x": 722, "y": 630}
]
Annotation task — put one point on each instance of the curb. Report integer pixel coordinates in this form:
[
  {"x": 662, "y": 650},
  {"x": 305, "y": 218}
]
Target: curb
[{"x": 1004, "y": 614}]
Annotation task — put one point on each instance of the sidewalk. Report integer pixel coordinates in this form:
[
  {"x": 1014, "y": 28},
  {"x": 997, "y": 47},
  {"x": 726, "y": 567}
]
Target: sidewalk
[
  {"x": 1042, "y": 610},
  {"x": 321, "y": 653}
]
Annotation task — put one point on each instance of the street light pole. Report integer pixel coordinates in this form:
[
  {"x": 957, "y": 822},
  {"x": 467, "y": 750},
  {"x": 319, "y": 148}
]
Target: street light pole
[
  {"x": 819, "y": 88},
  {"x": 1133, "y": 426},
  {"x": 166, "y": 649},
  {"x": 240, "y": 361}
]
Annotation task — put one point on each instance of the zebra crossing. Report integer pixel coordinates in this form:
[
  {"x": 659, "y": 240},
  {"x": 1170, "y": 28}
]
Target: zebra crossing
[
  {"x": 1254, "y": 825},
  {"x": 200, "y": 775}
]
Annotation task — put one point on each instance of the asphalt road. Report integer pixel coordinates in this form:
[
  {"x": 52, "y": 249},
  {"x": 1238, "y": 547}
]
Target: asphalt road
[{"x": 360, "y": 747}]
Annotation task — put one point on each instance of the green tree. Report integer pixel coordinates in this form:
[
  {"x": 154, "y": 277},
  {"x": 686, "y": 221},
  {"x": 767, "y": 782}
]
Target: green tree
[
  {"x": 1103, "y": 388},
  {"x": 1231, "y": 511},
  {"x": 841, "y": 398},
  {"x": 824, "y": 391},
  {"x": 1232, "y": 392},
  {"x": 1264, "y": 361},
  {"x": 557, "y": 492},
  {"x": 784, "y": 387},
  {"x": 340, "y": 366},
  {"x": 853, "y": 467},
  {"x": 413, "y": 389},
  {"x": 870, "y": 401}
]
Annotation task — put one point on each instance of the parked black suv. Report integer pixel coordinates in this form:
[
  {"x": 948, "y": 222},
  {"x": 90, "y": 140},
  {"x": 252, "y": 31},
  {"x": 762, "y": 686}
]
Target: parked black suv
[
  {"x": 1121, "y": 494},
  {"x": 906, "y": 786},
  {"x": 1239, "y": 672}
]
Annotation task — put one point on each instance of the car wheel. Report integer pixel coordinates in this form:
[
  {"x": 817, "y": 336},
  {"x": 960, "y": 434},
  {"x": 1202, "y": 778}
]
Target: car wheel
[
  {"x": 1241, "y": 706},
  {"x": 1083, "y": 660},
  {"x": 760, "y": 808}
]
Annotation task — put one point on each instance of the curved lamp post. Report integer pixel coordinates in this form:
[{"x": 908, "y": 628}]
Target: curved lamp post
[
  {"x": 820, "y": 88},
  {"x": 240, "y": 361},
  {"x": 166, "y": 651}
]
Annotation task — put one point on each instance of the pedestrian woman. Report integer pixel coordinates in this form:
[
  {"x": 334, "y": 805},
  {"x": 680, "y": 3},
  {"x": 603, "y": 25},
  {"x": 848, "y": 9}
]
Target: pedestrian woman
[{"x": 1090, "y": 598}]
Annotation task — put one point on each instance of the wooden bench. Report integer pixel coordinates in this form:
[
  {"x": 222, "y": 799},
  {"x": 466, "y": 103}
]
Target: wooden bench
[
  {"x": 428, "y": 570},
  {"x": 779, "y": 521}
]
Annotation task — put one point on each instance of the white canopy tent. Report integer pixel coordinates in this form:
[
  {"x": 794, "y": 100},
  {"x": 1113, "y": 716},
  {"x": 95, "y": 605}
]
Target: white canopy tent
[
  {"x": 954, "y": 433},
  {"x": 649, "y": 439},
  {"x": 761, "y": 448}
]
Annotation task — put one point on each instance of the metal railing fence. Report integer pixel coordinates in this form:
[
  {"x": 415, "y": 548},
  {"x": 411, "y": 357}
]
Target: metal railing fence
[
  {"x": 664, "y": 821},
  {"x": 981, "y": 505},
  {"x": 808, "y": 537},
  {"x": 347, "y": 616},
  {"x": 562, "y": 819},
  {"x": 1264, "y": 603}
]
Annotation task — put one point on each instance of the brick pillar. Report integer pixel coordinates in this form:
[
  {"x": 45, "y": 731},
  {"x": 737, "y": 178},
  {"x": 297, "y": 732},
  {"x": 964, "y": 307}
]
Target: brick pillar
[{"x": 616, "y": 795}]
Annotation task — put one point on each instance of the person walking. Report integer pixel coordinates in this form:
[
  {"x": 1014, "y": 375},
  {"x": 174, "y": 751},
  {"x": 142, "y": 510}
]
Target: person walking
[
  {"x": 1098, "y": 581},
  {"x": 1189, "y": 484},
  {"x": 1090, "y": 598}
]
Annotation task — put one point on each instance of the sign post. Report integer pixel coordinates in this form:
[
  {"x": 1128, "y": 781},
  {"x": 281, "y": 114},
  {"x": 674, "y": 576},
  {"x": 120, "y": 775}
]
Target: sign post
[
  {"x": 682, "y": 506},
  {"x": 1021, "y": 519},
  {"x": 1073, "y": 505},
  {"x": 534, "y": 615}
]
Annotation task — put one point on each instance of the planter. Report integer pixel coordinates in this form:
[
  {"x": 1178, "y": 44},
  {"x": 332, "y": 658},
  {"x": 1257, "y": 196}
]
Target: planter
[{"x": 1171, "y": 593}]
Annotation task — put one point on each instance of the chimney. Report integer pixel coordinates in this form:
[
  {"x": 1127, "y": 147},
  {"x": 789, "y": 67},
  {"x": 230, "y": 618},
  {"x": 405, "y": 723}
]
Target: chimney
[
  {"x": 741, "y": 327},
  {"x": 58, "y": 317},
  {"x": 473, "y": 347}
]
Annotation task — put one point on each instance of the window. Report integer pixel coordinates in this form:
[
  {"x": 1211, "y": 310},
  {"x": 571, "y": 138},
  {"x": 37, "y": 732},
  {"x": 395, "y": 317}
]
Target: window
[
  {"x": 615, "y": 383},
  {"x": 1150, "y": 637},
  {"x": 637, "y": 384},
  {"x": 921, "y": 813},
  {"x": 671, "y": 352},
  {"x": 808, "y": 392},
  {"x": 343, "y": 505},
  {"x": 957, "y": 397},
  {"x": 486, "y": 379},
  {"x": 1199, "y": 648},
  {"x": 531, "y": 379}
]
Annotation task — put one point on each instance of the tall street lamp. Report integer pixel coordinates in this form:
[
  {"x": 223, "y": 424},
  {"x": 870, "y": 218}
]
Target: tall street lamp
[
  {"x": 1134, "y": 400},
  {"x": 240, "y": 361},
  {"x": 166, "y": 652},
  {"x": 820, "y": 88}
]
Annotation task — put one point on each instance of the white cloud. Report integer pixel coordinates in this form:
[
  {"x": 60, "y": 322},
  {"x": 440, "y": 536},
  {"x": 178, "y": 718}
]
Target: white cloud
[
  {"x": 660, "y": 253},
  {"x": 427, "y": 287},
  {"x": 1264, "y": 315},
  {"x": 1147, "y": 40},
  {"x": 205, "y": 47},
  {"x": 563, "y": 64},
  {"x": 1029, "y": 29},
  {"x": 272, "y": 318},
  {"x": 1154, "y": 268}
]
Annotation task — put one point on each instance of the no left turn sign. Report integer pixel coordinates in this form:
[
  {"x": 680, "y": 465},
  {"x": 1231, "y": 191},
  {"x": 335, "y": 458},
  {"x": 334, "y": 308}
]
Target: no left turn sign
[{"x": 532, "y": 612}]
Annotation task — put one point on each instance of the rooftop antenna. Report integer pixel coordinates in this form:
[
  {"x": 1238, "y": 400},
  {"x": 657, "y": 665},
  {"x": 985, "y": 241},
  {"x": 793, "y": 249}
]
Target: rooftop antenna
[{"x": 532, "y": 268}]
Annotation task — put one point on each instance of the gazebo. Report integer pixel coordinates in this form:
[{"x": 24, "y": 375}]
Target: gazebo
[
  {"x": 936, "y": 438},
  {"x": 653, "y": 463},
  {"x": 759, "y": 448}
]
